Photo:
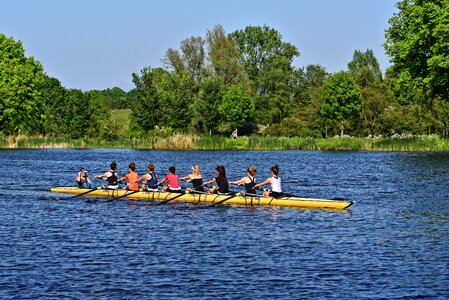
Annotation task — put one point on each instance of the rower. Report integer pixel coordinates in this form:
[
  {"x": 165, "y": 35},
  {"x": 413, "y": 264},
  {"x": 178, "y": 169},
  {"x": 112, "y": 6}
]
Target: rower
[
  {"x": 110, "y": 176},
  {"x": 131, "y": 177},
  {"x": 195, "y": 178},
  {"x": 275, "y": 181},
  {"x": 151, "y": 179},
  {"x": 221, "y": 180},
  {"x": 172, "y": 181},
  {"x": 249, "y": 181}
]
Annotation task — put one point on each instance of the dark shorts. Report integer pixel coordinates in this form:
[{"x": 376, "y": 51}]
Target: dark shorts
[
  {"x": 173, "y": 191},
  {"x": 276, "y": 195}
]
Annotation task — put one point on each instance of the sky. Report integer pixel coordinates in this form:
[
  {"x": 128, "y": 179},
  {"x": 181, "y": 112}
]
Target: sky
[{"x": 98, "y": 44}]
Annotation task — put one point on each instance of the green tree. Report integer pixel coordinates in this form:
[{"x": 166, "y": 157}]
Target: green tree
[
  {"x": 145, "y": 106},
  {"x": 268, "y": 62},
  {"x": 374, "y": 105},
  {"x": 309, "y": 83},
  {"x": 204, "y": 111},
  {"x": 86, "y": 112},
  {"x": 341, "y": 98},
  {"x": 162, "y": 99},
  {"x": 365, "y": 68},
  {"x": 173, "y": 60},
  {"x": 177, "y": 91},
  {"x": 96, "y": 113},
  {"x": 115, "y": 98},
  {"x": 21, "y": 81},
  {"x": 417, "y": 42},
  {"x": 224, "y": 57},
  {"x": 191, "y": 60},
  {"x": 57, "y": 112},
  {"x": 236, "y": 108}
]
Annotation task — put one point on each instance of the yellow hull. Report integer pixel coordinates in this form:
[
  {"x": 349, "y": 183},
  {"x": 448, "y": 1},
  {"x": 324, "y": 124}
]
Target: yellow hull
[{"x": 245, "y": 200}]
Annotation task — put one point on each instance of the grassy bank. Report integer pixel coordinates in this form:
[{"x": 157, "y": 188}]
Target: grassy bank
[{"x": 193, "y": 142}]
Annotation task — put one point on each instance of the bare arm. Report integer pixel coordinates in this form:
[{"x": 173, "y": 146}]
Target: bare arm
[
  {"x": 240, "y": 181},
  {"x": 264, "y": 182},
  {"x": 162, "y": 181},
  {"x": 210, "y": 181},
  {"x": 143, "y": 178},
  {"x": 186, "y": 177},
  {"x": 104, "y": 175}
]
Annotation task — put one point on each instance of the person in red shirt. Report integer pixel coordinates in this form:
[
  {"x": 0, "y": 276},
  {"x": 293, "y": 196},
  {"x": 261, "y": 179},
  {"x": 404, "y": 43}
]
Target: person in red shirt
[
  {"x": 172, "y": 181},
  {"x": 132, "y": 177}
]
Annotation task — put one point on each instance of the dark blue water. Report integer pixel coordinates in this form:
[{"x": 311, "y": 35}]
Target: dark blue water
[{"x": 394, "y": 242}]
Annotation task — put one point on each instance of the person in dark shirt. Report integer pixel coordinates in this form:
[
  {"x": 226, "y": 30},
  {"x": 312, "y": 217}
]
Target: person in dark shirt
[{"x": 221, "y": 181}]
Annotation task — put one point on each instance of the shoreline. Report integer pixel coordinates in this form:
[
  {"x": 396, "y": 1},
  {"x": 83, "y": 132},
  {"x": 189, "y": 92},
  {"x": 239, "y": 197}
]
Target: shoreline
[{"x": 431, "y": 143}]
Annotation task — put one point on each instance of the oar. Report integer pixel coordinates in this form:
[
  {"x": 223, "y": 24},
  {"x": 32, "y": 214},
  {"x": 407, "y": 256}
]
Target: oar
[
  {"x": 85, "y": 193},
  {"x": 221, "y": 201},
  {"x": 171, "y": 199},
  {"x": 120, "y": 197}
]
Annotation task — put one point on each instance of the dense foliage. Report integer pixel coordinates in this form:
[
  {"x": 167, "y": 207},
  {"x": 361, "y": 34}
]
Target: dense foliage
[{"x": 246, "y": 79}]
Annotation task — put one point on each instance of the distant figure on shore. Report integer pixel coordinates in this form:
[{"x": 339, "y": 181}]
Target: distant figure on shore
[{"x": 234, "y": 134}]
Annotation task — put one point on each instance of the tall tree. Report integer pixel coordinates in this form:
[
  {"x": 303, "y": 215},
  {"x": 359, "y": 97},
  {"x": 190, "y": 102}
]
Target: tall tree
[
  {"x": 191, "y": 59},
  {"x": 173, "y": 60},
  {"x": 417, "y": 42},
  {"x": 236, "y": 108},
  {"x": 224, "y": 57},
  {"x": 146, "y": 106},
  {"x": 194, "y": 57},
  {"x": 162, "y": 99},
  {"x": 268, "y": 62},
  {"x": 115, "y": 98},
  {"x": 341, "y": 98},
  {"x": 204, "y": 111},
  {"x": 57, "y": 111},
  {"x": 309, "y": 83},
  {"x": 365, "y": 68},
  {"x": 21, "y": 81},
  {"x": 261, "y": 49}
]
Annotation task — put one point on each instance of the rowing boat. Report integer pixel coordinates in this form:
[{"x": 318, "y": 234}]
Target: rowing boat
[{"x": 239, "y": 199}]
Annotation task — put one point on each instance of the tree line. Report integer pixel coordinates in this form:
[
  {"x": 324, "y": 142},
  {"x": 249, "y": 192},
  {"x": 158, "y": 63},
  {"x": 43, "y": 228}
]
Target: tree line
[{"x": 246, "y": 80}]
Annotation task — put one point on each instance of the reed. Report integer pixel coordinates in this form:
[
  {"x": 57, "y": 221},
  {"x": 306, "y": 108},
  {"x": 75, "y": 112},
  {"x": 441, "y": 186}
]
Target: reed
[
  {"x": 411, "y": 143},
  {"x": 180, "y": 141}
]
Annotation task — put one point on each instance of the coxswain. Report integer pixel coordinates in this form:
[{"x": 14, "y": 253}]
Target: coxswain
[{"x": 83, "y": 180}]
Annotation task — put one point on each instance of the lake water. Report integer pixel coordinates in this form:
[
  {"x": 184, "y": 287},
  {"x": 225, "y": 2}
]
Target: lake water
[{"x": 393, "y": 243}]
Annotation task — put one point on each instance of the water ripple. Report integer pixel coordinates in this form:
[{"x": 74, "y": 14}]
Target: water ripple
[{"x": 391, "y": 245}]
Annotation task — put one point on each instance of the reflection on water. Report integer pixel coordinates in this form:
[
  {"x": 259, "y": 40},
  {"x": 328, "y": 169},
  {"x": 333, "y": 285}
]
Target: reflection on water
[{"x": 392, "y": 244}]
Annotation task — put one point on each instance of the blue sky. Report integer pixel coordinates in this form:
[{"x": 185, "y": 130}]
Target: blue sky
[{"x": 98, "y": 44}]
